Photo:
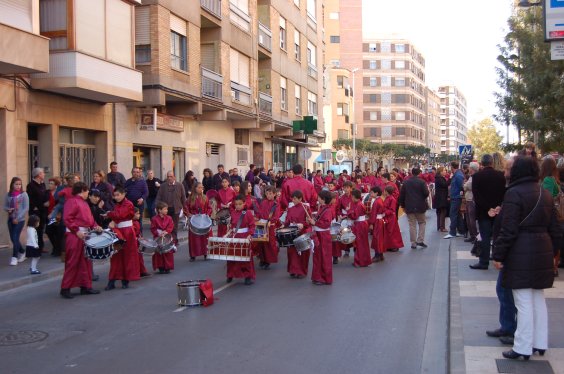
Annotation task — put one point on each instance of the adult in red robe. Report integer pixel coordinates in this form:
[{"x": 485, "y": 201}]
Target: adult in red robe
[
  {"x": 197, "y": 203},
  {"x": 298, "y": 214},
  {"x": 357, "y": 213},
  {"x": 225, "y": 200},
  {"x": 246, "y": 229},
  {"x": 124, "y": 265},
  {"x": 269, "y": 212},
  {"x": 392, "y": 238},
  {"x": 162, "y": 224},
  {"x": 78, "y": 220},
  {"x": 318, "y": 182},
  {"x": 377, "y": 214},
  {"x": 322, "y": 271},
  {"x": 298, "y": 183}
]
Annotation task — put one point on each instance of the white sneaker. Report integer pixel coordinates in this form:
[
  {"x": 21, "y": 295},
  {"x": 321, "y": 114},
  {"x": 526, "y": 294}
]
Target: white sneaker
[
  {"x": 21, "y": 257},
  {"x": 448, "y": 236},
  {"x": 14, "y": 261},
  {"x": 459, "y": 235}
]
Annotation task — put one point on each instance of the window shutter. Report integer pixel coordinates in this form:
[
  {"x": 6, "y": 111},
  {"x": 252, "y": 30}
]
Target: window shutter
[
  {"x": 208, "y": 56},
  {"x": 244, "y": 68},
  {"x": 234, "y": 65},
  {"x": 142, "y": 28},
  {"x": 178, "y": 25}
]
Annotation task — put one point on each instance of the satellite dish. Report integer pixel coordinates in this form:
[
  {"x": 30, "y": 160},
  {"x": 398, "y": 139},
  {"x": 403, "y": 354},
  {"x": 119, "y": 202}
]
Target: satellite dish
[{"x": 340, "y": 156}]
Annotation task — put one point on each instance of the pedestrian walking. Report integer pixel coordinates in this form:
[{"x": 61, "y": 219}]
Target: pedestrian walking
[
  {"x": 16, "y": 203},
  {"x": 524, "y": 249},
  {"x": 38, "y": 201},
  {"x": 413, "y": 200},
  {"x": 32, "y": 245}
]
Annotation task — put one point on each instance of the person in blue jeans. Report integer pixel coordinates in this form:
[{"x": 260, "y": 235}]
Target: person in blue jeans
[
  {"x": 16, "y": 204},
  {"x": 456, "y": 195}
]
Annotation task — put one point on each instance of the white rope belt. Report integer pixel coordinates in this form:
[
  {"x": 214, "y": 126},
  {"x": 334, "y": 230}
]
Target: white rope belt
[
  {"x": 243, "y": 231},
  {"x": 83, "y": 230},
  {"x": 361, "y": 219},
  {"x": 318, "y": 229},
  {"x": 124, "y": 224}
]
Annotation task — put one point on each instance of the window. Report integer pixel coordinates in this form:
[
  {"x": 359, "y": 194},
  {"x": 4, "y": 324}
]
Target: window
[
  {"x": 298, "y": 95},
  {"x": 297, "y": 50},
  {"x": 386, "y": 98},
  {"x": 372, "y": 47},
  {"x": 386, "y": 64},
  {"x": 400, "y": 116},
  {"x": 342, "y": 109},
  {"x": 335, "y": 39},
  {"x": 142, "y": 37},
  {"x": 334, "y": 15},
  {"x": 340, "y": 81},
  {"x": 386, "y": 81},
  {"x": 372, "y": 65},
  {"x": 385, "y": 47},
  {"x": 283, "y": 94},
  {"x": 178, "y": 51},
  {"x": 142, "y": 53},
  {"x": 400, "y": 82},
  {"x": 239, "y": 14},
  {"x": 374, "y": 116},
  {"x": 239, "y": 68},
  {"x": 311, "y": 53},
  {"x": 400, "y": 131},
  {"x": 311, "y": 9},
  {"x": 53, "y": 26},
  {"x": 386, "y": 114},
  {"x": 372, "y": 98},
  {"x": 373, "y": 132},
  {"x": 311, "y": 104},
  {"x": 343, "y": 134},
  {"x": 400, "y": 64},
  {"x": 335, "y": 63},
  {"x": 282, "y": 33},
  {"x": 400, "y": 48},
  {"x": 373, "y": 82}
]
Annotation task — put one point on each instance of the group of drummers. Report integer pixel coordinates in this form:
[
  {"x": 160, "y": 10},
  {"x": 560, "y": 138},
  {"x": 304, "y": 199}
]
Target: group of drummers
[{"x": 323, "y": 221}]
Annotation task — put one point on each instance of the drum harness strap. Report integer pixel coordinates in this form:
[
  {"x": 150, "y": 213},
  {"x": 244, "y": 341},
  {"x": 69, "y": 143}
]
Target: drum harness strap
[{"x": 239, "y": 221}]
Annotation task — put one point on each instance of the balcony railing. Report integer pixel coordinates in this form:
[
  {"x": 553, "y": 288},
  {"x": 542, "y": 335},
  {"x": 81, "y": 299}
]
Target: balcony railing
[
  {"x": 240, "y": 18},
  {"x": 212, "y": 84},
  {"x": 212, "y": 6},
  {"x": 265, "y": 103},
  {"x": 265, "y": 37},
  {"x": 240, "y": 93},
  {"x": 311, "y": 71}
]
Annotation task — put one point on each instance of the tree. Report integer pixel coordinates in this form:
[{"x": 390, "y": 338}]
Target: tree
[
  {"x": 532, "y": 86},
  {"x": 484, "y": 137}
]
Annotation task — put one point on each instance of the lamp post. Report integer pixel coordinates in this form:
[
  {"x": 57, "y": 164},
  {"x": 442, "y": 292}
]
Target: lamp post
[{"x": 353, "y": 124}]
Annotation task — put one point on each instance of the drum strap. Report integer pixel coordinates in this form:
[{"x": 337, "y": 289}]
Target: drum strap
[
  {"x": 239, "y": 221},
  {"x": 272, "y": 211}
]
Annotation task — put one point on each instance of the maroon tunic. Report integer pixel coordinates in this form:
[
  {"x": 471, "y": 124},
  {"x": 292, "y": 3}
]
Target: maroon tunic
[
  {"x": 137, "y": 229},
  {"x": 396, "y": 192},
  {"x": 378, "y": 226},
  {"x": 197, "y": 244},
  {"x": 298, "y": 261},
  {"x": 160, "y": 223},
  {"x": 78, "y": 269},
  {"x": 392, "y": 237},
  {"x": 360, "y": 230},
  {"x": 318, "y": 183},
  {"x": 343, "y": 205},
  {"x": 225, "y": 200},
  {"x": 124, "y": 265},
  {"x": 298, "y": 183},
  {"x": 270, "y": 211},
  {"x": 242, "y": 269},
  {"x": 322, "y": 270}
]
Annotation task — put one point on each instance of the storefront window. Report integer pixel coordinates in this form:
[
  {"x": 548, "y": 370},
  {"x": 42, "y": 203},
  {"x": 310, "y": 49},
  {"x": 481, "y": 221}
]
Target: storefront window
[
  {"x": 291, "y": 156},
  {"x": 278, "y": 157}
]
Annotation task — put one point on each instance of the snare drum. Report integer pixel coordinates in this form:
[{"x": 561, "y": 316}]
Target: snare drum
[
  {"x": 335, "y": 231},
  {"x": 165, "y": 244},
  {"x": 147, "y": 246},
  {"x": 347, "y": 237},
  {"x": 223, "y": 216},
  {"x": 303, "y": 242},
  {"x": 286, "y": 235},
  {"x": 347, "y": 223},
  {"x": 200, "y": 224},
  {"x": 189, "y": 293},
  {"x": 99, "y": 245}
]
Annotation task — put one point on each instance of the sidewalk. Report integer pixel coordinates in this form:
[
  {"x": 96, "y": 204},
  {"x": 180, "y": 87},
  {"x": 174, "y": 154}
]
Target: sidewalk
[
  {"x": 474, "y": 309},
  {"x": 16, "y": 276}
]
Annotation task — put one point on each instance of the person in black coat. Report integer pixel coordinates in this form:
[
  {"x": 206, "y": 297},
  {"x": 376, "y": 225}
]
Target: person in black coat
[
  {"x": 207, "y": 181},
  {"x": 413, "y": 200},
  {"x": 441, "y": 198},
  {"x": 524, "y": 249}
]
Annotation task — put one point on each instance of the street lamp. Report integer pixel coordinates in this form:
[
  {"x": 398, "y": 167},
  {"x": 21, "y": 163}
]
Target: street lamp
[{"x": 353, "y": 124}]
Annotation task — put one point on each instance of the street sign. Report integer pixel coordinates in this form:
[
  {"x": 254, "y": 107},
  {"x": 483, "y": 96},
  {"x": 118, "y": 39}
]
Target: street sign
[
  {"x": 554, "y": 20},
  {"x": 464, "y": 150},
  {"x": 557, "y": 50},
  {"x": 340, "y": 156},
  {"x": 306, "y": 153}
]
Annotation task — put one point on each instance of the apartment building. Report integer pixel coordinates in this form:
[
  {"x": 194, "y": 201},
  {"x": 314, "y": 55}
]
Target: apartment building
[
  {"x": 433, "y": 122},
  {"x": 225, "y": 82},
  {"x": 453, "y": 119}
]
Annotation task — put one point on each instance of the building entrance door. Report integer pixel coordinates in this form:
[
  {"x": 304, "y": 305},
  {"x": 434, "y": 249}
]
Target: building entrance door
[{"x": 258, "y": 154}]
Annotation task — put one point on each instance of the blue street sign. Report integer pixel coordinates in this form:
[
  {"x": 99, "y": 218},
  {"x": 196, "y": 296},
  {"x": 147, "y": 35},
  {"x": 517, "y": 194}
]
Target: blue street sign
[{"x": 464, "y": 150}]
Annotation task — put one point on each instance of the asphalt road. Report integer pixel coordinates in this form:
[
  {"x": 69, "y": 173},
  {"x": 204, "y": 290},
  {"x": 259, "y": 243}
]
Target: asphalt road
[{"x": 387, "y": 318}]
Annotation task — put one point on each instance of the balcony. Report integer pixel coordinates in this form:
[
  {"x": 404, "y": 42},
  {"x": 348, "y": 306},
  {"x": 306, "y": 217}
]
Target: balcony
[
  {"x": 311, "y": 71},
  {"x": 212, "y": 6},
  {"x": 240, "y": 93},
  {"x": 22, "y": 52},
  {"x": 265, "y": 37},
  {"x": 212, "y": 84},
  {"x": 240, "y": 18},
  {"x": 265, "y": 103},
  {"x": 77, "y": 74}
]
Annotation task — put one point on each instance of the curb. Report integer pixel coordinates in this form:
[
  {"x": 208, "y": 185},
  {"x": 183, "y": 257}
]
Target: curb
[
  {"x": 456, "y": 357},
  {"x": 44, "y": 276}
]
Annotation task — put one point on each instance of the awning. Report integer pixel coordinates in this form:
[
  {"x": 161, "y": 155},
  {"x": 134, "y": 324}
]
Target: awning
[
  {"x": 320, "y": 159},
  {"x": 290, "y": 141}
]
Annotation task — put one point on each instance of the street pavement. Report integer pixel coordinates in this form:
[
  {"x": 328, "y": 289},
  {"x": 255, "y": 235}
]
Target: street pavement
[{"x": 392, "y": 317}]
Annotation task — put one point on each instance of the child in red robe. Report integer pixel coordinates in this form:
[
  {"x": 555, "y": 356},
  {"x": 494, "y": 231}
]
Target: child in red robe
[
  {"x": 298, "y": 215},
  {"x": 392, "y": 238},
  {"x": 138, "y": 234},
  {"x": 243, "y": 226},
  {"x": 376, "y": 222},
  {"x": 124, "y": 265},
  {"x": 343, "y": 206},
  {"x": 357, "y": 213},
  {"x": 322, "y": 271},
  {"x": 225, "y": 197},
  {"x": 161, "y": 225},
  {"x": 197, "y": 203},
  {"x": 269, "y": 212}
]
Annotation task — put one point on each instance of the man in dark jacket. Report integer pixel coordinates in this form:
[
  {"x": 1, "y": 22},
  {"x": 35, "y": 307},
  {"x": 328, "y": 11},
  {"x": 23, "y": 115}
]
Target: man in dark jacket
[
  {"x": 456, "y": 196},
  {"x": 38, "y": 201},
  {"x": 488, "y": 188},
  {"x": 217, "y": 178},
  {"x": 413, "y": 200}
]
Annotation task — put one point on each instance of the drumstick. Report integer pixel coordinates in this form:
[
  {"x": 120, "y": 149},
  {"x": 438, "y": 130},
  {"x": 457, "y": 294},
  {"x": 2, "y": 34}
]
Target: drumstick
[{"x": 305, "y": 210}]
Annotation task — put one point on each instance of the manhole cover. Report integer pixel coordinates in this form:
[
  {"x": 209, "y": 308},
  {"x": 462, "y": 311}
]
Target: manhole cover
[
  {"x": 21, "y": 337},
  {"x": 524, "y": 367}
]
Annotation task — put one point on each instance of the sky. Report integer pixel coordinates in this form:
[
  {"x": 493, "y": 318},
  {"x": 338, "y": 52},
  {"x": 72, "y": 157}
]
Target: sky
[{"x": 458, "y": 39}]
